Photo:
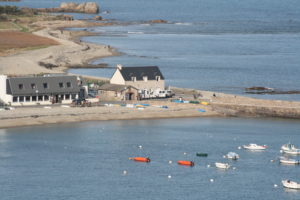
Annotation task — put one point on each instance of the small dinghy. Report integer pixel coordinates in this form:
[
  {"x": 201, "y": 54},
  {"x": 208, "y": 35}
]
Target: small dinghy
[
  {"x": 202, "y": 154},
  {"x": 288, "y": 161},
  {"x": 290, "y": 184},
  {"x": 232, "y": 155},
  {"x": 255, "y": 147},
  {"x": 222, "y": 165}
]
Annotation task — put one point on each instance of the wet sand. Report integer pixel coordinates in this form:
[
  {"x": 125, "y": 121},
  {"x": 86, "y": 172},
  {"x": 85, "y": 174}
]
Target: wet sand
[{"x": 25, "y": 116}]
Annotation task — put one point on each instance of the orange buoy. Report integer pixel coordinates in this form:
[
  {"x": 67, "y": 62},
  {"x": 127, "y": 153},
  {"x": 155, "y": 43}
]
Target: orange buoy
[
  {"x": 186, "y": 162},
  {"x": 140, "y": 159}
]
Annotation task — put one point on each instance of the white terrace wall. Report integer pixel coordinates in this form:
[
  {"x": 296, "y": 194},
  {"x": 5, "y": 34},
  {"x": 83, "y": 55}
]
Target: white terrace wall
[
  {"x": 3, "y": 95},
  {"x": 147, "y": 85}
]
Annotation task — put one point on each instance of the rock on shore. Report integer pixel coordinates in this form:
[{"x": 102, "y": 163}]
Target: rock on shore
[{"x": 88, "y": 7}]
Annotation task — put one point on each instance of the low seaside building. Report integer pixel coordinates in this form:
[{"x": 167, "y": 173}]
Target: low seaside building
[
  {"x": 40, "y": 90},
  {"x": 147, "y": 79},
  {"x": 115, "y": 92}
]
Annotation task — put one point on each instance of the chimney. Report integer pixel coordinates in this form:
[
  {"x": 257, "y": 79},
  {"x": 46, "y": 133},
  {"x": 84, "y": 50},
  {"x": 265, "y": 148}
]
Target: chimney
[{"x": 119, "y": 66}]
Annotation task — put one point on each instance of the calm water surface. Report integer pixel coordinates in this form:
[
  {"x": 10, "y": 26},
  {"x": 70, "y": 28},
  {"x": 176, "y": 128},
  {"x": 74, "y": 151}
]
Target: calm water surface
[
  {"x": 208, "y": 44},
  {"x": 87, "y": 160}
]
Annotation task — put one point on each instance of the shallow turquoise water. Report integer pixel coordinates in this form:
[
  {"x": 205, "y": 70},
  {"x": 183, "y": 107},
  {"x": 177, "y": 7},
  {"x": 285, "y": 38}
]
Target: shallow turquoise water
[{"x": 87, "y": 160}]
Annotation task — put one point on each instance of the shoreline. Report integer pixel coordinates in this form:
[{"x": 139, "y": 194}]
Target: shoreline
[
  {"x": 220, "y": 105},
  {"x": 76, "y": 52},
  {"x": 60, "y": 57},
  {"x": 28, "y": 116}
]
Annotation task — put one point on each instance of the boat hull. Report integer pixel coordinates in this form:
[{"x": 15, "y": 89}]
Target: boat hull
[
  {"x": 290, "y": 162},
  {"x": 222, "y": 165},
  {"x": 290, "y": 184},
  {"x": 254, "y": 147}
]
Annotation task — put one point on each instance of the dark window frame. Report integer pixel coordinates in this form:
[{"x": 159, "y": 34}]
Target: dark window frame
[
  {"x": 21, "y": 86},
  {"x": 69, "y": 84},
  {"x": 33, "y": 86},
  {"x": 45, "y": 85}
]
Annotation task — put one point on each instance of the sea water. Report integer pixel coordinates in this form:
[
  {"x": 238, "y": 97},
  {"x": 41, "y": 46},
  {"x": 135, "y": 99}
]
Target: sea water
[
  {"x": 90, "y": 160},
  {"x": 208, "y": 44}
]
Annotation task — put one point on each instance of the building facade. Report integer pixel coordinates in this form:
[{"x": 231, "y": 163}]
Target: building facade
[
  {"x": 115, "y": 92},
  {"x": 40, "y": 90},
  {"x": 147, "y": 78}
]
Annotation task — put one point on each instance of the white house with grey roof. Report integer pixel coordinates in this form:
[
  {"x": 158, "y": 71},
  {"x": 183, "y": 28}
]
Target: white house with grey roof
[
  {"x": 147, "y": 78},
  {"x": 34, "y": 90}
]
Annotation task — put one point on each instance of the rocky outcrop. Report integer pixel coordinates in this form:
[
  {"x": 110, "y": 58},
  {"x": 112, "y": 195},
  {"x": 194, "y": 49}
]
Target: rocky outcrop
[
  {"x": 88, "y": 7},
  {"x": 97, "y": 18},
  {"x": 158, "y": 21}
]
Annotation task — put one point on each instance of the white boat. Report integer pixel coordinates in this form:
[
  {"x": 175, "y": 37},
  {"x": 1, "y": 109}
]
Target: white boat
[
  {"x": 289, "y": 161},
  {"x": 287, "y": 147},
  {"x": 222, "y": 165},
  {"x": 232, "y": 155},
  {"x": 290, "y": 184},
  {"x": 293, "y": 152},
  {"x": 255, "y": 147}
]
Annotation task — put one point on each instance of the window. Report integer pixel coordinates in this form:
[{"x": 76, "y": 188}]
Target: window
[
  {"x": 33, "y": 86},
  {"x": 133, "y": 78},
  {"x": 15, "y": 99},
  {"x": 33, "y": 98},
  {"x": 145, "y": 78},
  {"x": 67, "y": 96},
  {"x": 40, "y": 98},
  {"x": 46, "y": 97},
  {"x": 157, "y": 78},
  {"x": 73, "y": 96},
  {"x": 61, "y": 85},
  {"x": 27, "y": 98},
  {"x": 45, "y": 85},
  {"x": 69, "y": 84},
  {"x": 21, "y": 98},
  {"x": 21, "y": 86}
]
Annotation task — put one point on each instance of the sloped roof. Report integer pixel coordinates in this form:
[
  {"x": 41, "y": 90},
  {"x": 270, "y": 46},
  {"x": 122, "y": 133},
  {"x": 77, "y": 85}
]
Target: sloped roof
[
  {"x": 52, "y": 83},
  {"x": 139, "y": 72},
  {"x": 115, "y": 87}
]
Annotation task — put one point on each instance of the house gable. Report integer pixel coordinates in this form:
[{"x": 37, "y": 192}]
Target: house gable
[{"x": 117, "y": 78}]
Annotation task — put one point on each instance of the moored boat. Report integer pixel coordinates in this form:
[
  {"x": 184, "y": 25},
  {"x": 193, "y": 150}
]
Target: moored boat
[
  {"x": 186, "y": 162},
  {"x": 202, "y": 154},
  {"x": 289, "y": 161},
  {"x": 293, "y": 151},
  {"x": 222, "y": 165},
  {"x": 288, "y": 146},
  {"x": 290, "y": 184},
  {"x": 255, "y": 147},
  {"x": 232, "y": 155},
  {"x": 140, "y": 159}
]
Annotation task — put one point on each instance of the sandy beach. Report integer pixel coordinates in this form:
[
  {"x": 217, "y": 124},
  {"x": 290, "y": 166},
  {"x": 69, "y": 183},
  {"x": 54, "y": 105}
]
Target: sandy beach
[
  {"x": 61, "y": 56},
  {"x": 219, "y": 105},
  {"x": 25, "y": 116}
]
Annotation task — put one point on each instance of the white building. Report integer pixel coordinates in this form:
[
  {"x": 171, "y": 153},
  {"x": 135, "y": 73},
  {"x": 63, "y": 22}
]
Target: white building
[{"x": 145, "y": 79}]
